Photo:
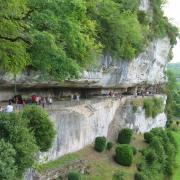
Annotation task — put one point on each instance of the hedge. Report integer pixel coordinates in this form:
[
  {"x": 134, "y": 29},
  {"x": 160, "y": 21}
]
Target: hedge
[
  {"x": 125, "y": 136},
  {"x": 124, "y": 155},
  {"x": 74, "y": 176},
  {"x": 100, "y": 144}
]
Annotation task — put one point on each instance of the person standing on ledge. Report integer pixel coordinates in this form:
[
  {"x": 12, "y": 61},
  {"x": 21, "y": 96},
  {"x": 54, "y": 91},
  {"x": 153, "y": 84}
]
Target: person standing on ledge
[{"x": 9, "y": 108}]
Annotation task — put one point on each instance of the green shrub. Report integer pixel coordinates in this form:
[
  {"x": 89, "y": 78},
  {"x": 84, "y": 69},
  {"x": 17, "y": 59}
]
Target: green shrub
[
  {"x": 143, "y": 18},
  {"x": 172, "y": 140},
  {"x": 125, "y": 136},
  {"x": 168, "y": 169},
  {"x": 135, "y": 108},
  {"x": 134, "y": 150},
  {"x": 74, "y": 176},
  {"x": 41, "y": 126},
  {"x": 7, "y": 161},
  {"x": 109, "y": 145},
  {"x": 100, "y": 144},
  {"x": 150, "y": 156},
  {"x": 159, "y": 156},
  {"x": 14, "y": 131},
  {"x": 153, "y": 106},
  {"x": 148, "y": 106},
  {"x": 140, "y": 176},
  {"x": 119, "y": 175},
  {"x": 141, "y": 166},
  {"x": 157, "y": 145},
  {"x": 148, "y": 137},
  {"x": 124, "y": 155}
]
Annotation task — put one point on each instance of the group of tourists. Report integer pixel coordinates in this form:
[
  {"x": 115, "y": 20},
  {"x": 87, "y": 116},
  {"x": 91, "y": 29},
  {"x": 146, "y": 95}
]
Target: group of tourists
[
  {"x": 38, "y": 100},
  {"x": 17, "y": 102},
  {"x": 75, "y": 97}
]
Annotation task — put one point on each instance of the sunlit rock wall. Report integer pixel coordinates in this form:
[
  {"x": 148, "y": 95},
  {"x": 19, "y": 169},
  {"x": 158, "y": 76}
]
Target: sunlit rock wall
[
  {"x": 148, "y": 67},
  {"x": 78, "y": 126}
]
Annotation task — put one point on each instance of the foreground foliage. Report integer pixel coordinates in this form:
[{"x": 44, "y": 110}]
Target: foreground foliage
[
  {"x": 14, "y": 131},
  {"x": 21, "y": 141},
  {"x": 176, "y": 175},
  {"x": 7, "y": 161},
  {"x": 40, "y": 125}
]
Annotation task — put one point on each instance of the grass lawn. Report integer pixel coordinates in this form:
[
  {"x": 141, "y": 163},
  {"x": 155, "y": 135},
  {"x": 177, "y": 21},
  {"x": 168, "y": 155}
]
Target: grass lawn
[
  {"x": 177, "y": 172},
  {"x": 102, "y": 165}
]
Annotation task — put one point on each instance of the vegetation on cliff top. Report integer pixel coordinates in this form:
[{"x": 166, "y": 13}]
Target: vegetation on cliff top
[{"x": 60, "y": 38}]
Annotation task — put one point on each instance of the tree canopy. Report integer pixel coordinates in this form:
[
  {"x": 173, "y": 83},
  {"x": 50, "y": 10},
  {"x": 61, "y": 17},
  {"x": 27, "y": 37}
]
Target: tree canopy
[
  {"x": 22, "y": 135},
  {"x": 61, "y": 38}
]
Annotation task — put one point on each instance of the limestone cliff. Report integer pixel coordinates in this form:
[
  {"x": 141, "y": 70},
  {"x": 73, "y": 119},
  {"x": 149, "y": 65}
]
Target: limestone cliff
[
  {"x": 78, "y": 126},
  {"x": 148, "y": 67}
]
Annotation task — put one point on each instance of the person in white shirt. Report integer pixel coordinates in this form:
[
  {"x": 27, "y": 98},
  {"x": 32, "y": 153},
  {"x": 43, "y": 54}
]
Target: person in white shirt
[
  {"x": 1, "y": 109},
  {"x": 9, "y": 108}
]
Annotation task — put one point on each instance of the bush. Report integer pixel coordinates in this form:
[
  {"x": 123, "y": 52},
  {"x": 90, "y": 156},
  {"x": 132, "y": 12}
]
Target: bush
[
  {"x": 109, "y": 145},
  {"x": 41, "y": 126},
  {"x": 140, "y": 176},
  {"x": 124, "y": 155},
  {"x": 159, "y": 156},
  {"x": 119, "y": 175},
  {"x": 7, "y": 161},
  {"x": 168, "y": 169},
  {"x": 148, "y": 137},
  {"x": 150, "y": 156},
  {"x": 14, "y": 131},
  {"x": 125, "y": 136},
  {"x": 157, "y": 146},
  {"x": 100, "y": 144},
  {"x": 153, "y": 107},
  {"x": 74, "y": 176},
  {"x": 141, "y": 166},
  {"x": 134, "y": 150}
]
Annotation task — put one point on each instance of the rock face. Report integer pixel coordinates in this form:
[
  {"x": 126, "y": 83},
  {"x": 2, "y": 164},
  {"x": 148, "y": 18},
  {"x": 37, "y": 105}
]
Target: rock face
[
  {"x": 147, "y": 68},
  {"x": 144, "y": 5},
  {"x": 80, "y": 125}
]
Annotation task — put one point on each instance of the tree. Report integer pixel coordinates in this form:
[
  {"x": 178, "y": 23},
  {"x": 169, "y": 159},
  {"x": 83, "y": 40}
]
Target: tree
[
  {"x": 118, "y": 30},
  {"x": 173, "y": 96},
  {"x": 7, "y": 161},
  {"x": 13, "y": 130},
  {"x": 37, "y": 120},
  {"x": 13, "y": 55},
  {"x": 63, "y": 38}
]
